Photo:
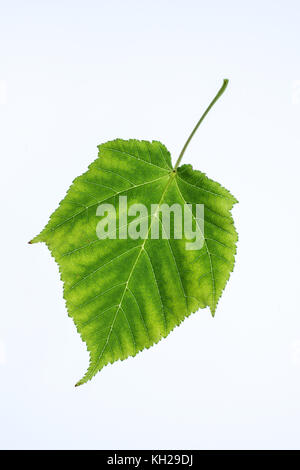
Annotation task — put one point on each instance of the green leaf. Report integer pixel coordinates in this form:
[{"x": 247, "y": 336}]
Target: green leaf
[{"x": 124, "y": 295}]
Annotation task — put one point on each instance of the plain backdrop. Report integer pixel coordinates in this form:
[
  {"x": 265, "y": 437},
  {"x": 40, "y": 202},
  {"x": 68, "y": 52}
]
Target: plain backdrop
[{"x": 74, "y": 74}]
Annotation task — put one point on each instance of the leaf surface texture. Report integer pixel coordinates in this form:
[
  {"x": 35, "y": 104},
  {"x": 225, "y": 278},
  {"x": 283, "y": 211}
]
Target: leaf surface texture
[{"x": 124, "y": 295}]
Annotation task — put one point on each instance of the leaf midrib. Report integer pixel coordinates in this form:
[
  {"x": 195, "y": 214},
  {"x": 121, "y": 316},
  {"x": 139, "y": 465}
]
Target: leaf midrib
[
  {"x": 170, "y": 180},
  {"x": 172, "y": 177}
]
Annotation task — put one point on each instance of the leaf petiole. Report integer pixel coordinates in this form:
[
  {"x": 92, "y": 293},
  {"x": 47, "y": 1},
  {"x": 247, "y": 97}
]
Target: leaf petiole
[{"x": 220, "y": 92}]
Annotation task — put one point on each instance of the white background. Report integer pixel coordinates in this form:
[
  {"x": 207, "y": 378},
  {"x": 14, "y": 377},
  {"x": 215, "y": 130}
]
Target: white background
[{"x": 74, "y": 74}]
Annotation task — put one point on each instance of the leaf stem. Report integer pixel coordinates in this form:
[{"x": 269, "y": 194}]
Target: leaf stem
[{"x": 220, "y": 92}]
